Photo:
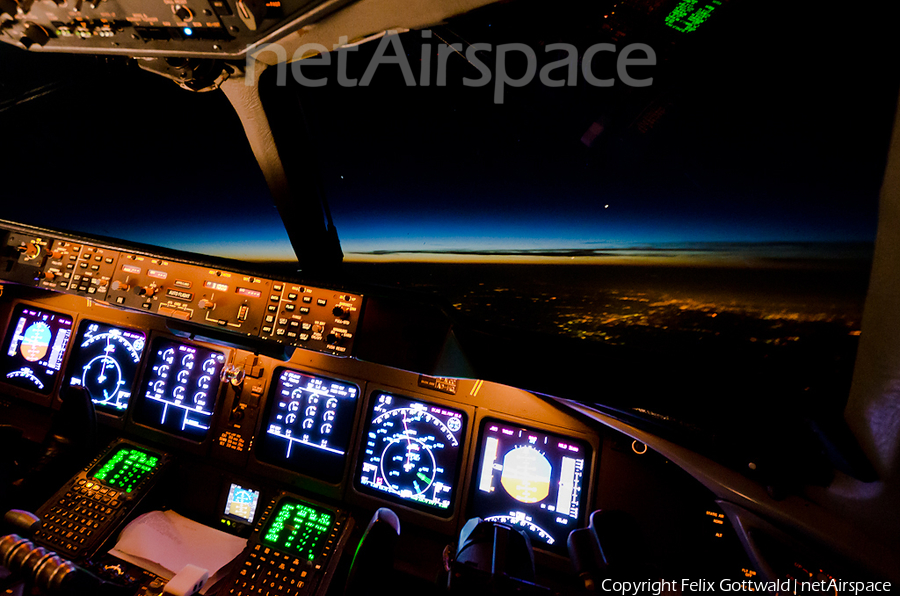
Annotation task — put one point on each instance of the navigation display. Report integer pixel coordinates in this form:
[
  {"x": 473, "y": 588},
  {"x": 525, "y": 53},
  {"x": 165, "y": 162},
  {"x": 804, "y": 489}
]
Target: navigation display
[
  {"x": 105, "y": 362},
  {"x": 180, "y": 389},
  {"x": 411, "y": 453},
  {"x": 531, "y": 480},
  {"x": 308, "y": 423},
  {"x": 298, "y": 528},
  {"x": 125, "y": 468},
  {"x": 34, "y": 347}
]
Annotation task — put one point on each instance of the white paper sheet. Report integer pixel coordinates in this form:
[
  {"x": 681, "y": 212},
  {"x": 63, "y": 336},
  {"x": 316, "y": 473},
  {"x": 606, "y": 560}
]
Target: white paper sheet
[{"x": 163, "y": 542}]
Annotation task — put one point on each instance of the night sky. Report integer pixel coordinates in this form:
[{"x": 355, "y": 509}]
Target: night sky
[{"x": 767, "y": 130}]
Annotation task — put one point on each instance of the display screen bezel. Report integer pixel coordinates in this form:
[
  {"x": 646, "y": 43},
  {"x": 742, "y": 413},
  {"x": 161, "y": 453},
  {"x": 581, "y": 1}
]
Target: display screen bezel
[
  {"x": 73, "y": 363},
  {"x": 112, "y": 454},
  {"x": 237, "y": 518},
  {"x": 16, "y": 313},
  {"x": 271, "y": 519},
  {"x": 462, "y": 453},
  {"x": 138, "y": 417},
  {"x": 472, "y": 507},
  {"x": 330, "y": 470}
]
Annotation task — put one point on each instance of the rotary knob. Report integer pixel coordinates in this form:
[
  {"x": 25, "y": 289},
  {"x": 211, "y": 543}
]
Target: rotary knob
[
  {"x": 120, "y": 286},
  {"x": 8, "y": 7},
  {"x": 46, "y": 275},
  {"x": 206, "y": 304},
  {"x": 146, "y": 291},
  {"x": 184, "y": 13},
  {"x": 34, "y": 34},
  {"x": 30, "y": 250},
  {"x": 340, "y": 311}
]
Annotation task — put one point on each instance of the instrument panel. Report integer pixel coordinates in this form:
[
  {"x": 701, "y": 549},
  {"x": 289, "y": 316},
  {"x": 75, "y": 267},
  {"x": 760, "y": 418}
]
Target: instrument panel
[
  {"x": 351, "y": 435},
  {"x": 201, "y": 28},
  {"x": 278, "y": 311},
  {"x": 317, "y": 424}
]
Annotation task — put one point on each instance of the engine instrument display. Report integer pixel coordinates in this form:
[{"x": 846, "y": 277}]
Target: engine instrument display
[
  {"x": 308, "y": 424},
  {"x": 180, "y": 389},
  {"x": 125, "y": 467},
  {"x": 105, "y": 362},
  {"x": 531, "y": 480},
  {"x": 298, "y": 528},
  {"x": 240, "y": 505},
  {"x": 411, "y": 452},
  {"x": 34, "y": 347}
]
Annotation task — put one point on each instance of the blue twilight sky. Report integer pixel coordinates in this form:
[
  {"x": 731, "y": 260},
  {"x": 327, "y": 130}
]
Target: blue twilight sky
[{"x": 733, "y": 143}]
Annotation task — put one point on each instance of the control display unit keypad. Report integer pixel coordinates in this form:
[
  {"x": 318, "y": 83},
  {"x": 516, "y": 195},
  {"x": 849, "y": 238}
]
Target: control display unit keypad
[
  {"x": 88, "y": 509},
  {"x": 290, "y": 552}
]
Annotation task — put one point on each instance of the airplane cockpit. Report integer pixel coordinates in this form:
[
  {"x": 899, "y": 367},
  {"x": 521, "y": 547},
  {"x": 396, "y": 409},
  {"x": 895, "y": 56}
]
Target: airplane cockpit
[{"x": 176, "y": 418}]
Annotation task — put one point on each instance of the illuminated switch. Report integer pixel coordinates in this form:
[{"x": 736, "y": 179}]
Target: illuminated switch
[
  {"x": 292, "y": 296},
  {"x": 304, "y": 310},
  {"x": 289, "y": 307},
  {"x": 307, "y": 299},
  {"x": 321, "y": 302}
]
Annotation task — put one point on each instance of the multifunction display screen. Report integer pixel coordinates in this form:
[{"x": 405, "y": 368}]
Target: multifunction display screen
[
  {"x": 240, "y": 505},
  {"x": 180, "y": 389},
  {"x": 125, "y": 468},
  {"x": 34, "y": 347},
  {"x": 105, "y": 362},
  {"x": 411, "y": 452},
  {"x": 531, "y": 480},
  {"x": 308, "y": 424},
  {"x": 298, "y": 528}
]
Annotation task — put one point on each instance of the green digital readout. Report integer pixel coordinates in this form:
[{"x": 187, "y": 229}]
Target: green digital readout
[
  {"x": 298, "y": 528},
  {"x": 690, "y": 14},
  {"x": 125, "y": 468}
]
